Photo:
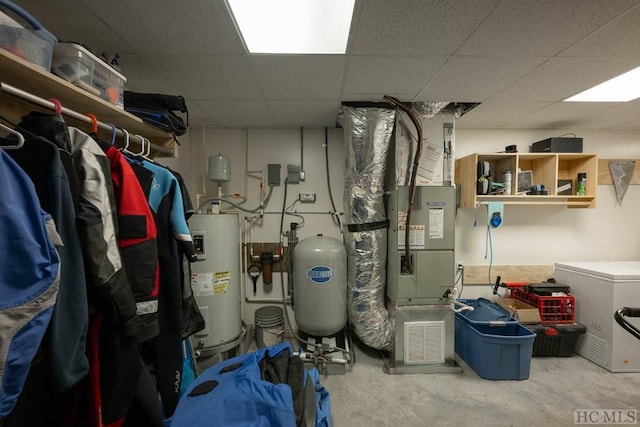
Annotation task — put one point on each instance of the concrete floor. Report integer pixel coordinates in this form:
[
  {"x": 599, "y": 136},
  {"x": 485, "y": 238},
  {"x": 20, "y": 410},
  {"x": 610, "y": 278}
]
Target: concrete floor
[{"x": 557, "y": 386}]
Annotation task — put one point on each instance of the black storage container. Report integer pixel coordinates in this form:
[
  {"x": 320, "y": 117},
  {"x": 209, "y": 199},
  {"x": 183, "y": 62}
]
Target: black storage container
[
  {"x": 547, "y": 289},
  {"x": 557, "y": 145},
  {"x": 556, "y": 340}
]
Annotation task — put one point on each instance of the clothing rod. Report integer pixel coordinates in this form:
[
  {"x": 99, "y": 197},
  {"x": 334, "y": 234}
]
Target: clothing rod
[{"x": 36, "y": 100}]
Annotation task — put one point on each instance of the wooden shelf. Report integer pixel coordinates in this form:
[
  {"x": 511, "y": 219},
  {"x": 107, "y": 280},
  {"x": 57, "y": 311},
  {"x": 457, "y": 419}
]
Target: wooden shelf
[
  {"x": 38, "y": 82},
  {"x": 546, "y": 169}
]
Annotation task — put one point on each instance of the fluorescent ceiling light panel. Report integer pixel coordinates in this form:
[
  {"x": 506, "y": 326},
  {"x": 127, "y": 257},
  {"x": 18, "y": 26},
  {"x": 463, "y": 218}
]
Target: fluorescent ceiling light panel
[
  {"x": 623, "y": 88},
  {"x": 294, "y": 26}
]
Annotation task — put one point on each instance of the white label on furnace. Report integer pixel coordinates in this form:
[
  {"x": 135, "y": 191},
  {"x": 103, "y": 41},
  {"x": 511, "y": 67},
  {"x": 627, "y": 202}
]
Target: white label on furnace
[
  {"x": 202, "y": 284},
  {"x": 221, "y": 282},
  {"x": 416, "y": 235},
  {"x": 436, "y": 223}
]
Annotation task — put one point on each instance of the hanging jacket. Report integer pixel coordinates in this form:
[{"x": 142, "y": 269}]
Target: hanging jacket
[
  {"x": 137, "y": 240},
  {"x": 165, "y": 200},
  {"x": 29, "y": 276},
  {"x": 192, "y": 319},
  {"x": 65, "y": 355},
  {"x": 97, "y": 228}
]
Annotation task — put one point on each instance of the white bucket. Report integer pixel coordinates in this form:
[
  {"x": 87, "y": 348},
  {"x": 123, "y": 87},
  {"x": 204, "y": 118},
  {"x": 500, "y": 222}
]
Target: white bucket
[{"x": 269, "y": 326}]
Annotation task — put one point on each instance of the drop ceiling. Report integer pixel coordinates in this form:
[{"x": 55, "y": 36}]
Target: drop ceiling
[{"x": 518, "y": 59}]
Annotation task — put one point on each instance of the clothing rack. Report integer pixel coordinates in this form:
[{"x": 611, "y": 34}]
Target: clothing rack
[{"x": 41, "y": 102}]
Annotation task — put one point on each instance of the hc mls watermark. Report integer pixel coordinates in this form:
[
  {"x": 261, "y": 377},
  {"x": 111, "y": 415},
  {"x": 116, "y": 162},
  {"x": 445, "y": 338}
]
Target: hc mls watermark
[{"x": 605, "y": 416}]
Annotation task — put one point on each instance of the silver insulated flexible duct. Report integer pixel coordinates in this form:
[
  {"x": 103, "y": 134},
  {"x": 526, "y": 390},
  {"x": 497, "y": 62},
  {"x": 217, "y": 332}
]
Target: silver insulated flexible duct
[{"x": 367, "y": 136}]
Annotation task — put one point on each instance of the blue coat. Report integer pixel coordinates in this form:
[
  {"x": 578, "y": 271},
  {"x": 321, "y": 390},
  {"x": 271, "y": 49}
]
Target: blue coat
[
  {"x": 29, "y": 278},
  {"x": 233, "y": 394}
]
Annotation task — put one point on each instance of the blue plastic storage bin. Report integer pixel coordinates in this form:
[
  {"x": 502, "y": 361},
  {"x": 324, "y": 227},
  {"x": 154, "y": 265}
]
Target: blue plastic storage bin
[
  {"x": 486, "y": 313},
  {"x": 495, "y": 347},
  {"x": 24, "y": 36}
]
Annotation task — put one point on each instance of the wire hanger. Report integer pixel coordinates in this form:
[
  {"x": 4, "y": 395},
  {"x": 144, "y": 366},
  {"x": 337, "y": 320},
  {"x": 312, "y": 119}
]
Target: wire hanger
[
  {"x": 94, "y": 122},
  {"x": 19, "y": 143}
]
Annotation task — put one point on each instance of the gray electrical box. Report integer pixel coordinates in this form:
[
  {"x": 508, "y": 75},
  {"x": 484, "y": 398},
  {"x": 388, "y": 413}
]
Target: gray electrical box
[
  {"x": 293, "y": 174},
  {"x": 273, "y": 174}
]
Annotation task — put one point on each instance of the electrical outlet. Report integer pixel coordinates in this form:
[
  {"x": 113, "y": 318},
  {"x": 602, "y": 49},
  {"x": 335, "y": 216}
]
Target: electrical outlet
[{"x": 307, "y": 197}]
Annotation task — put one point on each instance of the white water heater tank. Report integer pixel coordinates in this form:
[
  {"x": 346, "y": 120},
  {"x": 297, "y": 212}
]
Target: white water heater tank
[
  {"x": 216, "y": 277},
  {"x": 320, "y": 285}
]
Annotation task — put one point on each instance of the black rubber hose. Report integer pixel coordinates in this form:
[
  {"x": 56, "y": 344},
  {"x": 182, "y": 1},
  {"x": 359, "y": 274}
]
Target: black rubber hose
[{"x": 629, "y": 312}]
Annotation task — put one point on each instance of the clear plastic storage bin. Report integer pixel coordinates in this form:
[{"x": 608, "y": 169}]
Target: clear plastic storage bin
[
  {"x": 22, "y": 35},
  {"x": 76, "y": 64}
]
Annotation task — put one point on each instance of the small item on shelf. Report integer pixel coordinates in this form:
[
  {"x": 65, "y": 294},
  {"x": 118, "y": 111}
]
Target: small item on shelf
[
  {"x": 581, "y": 187},
  {"x": 30, "y": 41},
  {"x": 159, "y": 110},
  {"x": 78, "y": 65},
  {"x": 538, "y": 190},
  {"x": 506, "y": 175}
]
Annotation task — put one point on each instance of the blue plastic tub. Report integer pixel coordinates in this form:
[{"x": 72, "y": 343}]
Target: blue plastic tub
[
  {"x": 24, "y": 36},
  {"x": 486, "y": 313},
  {"x": 495, "y": 347}
]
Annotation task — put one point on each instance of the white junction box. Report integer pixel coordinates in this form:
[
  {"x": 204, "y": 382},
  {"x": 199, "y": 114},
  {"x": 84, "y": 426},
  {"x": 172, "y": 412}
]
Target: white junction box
[
  {"x": 600, "y": 289},
  {"x": 307, "y": 197}
]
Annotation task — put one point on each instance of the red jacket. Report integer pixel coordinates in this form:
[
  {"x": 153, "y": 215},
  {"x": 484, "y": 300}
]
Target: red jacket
[{"x": 137, "y": 241}]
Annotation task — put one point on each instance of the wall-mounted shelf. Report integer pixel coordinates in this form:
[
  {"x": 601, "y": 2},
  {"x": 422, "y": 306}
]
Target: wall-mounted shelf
[
  {"x": 546, "y": 169},
  {"x": 36, "y": 82}
]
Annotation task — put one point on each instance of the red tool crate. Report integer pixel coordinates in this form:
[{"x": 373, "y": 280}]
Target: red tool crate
[{"x": 553, "y": 309}]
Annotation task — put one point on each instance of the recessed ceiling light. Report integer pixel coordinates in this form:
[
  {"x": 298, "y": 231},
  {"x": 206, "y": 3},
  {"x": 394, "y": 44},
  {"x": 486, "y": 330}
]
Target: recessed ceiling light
[
  {"x": 294, "y": 26},
  {"x": 623, "y": 88}
]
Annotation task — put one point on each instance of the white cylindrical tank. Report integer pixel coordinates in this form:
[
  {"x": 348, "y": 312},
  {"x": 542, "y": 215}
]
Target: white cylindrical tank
[
  {"x": 219, "y": 168},
  {"x": 320, "y": 285},
  {"x": 215, "y": 279}
]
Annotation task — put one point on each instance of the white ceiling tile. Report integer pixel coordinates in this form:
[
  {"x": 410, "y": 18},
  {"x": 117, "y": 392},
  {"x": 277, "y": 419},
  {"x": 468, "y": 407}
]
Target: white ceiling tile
[
  {"x": 142, "y": 75},
  {"x": 305, "y": 113},
  {"x": 618, "y": 38},
  {"x": 541, "y": 27},
  {"x": 474, "y": 79},
  {"x": 209, "y": 77},
  {"x": 415, "y": 27},
  {"x": 171, "y": 26},
  {"x": 561, "y": 77},
  {"x": 86, "y": 27},
  {"x": 497, "y": 114},
  {"x": 631, "y": 125},
  {"x": 616, "y": 115},
  {"x": 300, "y": 77},
  {"x": 561, "y": 115},
  {"x": 401, "y": 74},
  {"x": 375, "y": 96},
  {"x": 237, "y": 113}
]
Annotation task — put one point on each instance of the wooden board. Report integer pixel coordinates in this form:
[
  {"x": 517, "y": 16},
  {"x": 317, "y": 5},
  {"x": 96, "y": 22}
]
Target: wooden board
[
  {"x": 36, "y": 81},
  {"x": 604, "y": 174},
  {"x": 478, "y": 274}
]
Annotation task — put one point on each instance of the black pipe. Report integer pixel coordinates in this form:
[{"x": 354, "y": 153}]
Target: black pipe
[{"x": 628, "y": 312}]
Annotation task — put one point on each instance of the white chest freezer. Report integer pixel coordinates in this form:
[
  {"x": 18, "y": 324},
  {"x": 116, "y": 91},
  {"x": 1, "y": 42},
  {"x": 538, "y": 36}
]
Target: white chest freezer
[{"x": 601, "y": 288}]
